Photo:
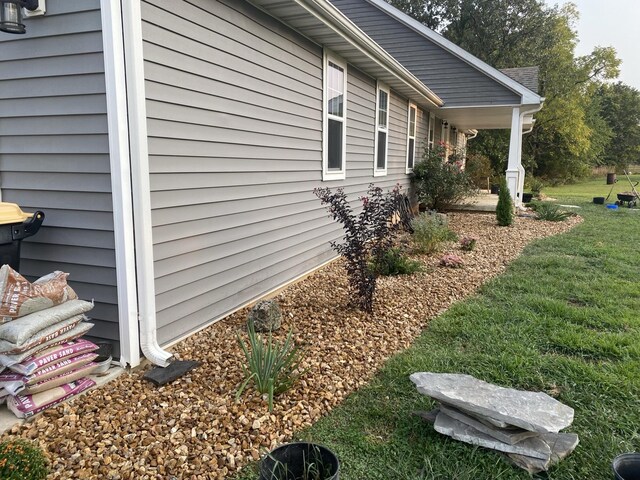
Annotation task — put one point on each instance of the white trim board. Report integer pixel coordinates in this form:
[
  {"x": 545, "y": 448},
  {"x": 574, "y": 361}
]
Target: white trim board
[{"x": 118, "y": 128}]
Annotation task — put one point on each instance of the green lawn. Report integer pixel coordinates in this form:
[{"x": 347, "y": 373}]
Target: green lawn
[
  {"x": 593, "y": 188},
  {"x": 564, "y": 318}
]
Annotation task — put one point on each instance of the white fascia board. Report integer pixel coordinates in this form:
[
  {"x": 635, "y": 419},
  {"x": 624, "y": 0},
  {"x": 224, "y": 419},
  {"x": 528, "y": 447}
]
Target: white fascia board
[
  {"x": 528, "y": 97},
  {"x": 338, "y": 22}
]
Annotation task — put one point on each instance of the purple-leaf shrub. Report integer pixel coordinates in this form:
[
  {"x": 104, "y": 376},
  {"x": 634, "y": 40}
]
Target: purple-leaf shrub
[{"x": 367, "y": 235}]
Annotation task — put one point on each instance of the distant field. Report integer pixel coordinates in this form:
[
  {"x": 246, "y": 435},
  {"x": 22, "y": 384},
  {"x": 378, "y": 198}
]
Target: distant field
[{"x": 593, "y": 188}]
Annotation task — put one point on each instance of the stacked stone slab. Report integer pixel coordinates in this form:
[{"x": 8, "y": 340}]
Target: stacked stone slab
[{"x": 523, "y": 425}]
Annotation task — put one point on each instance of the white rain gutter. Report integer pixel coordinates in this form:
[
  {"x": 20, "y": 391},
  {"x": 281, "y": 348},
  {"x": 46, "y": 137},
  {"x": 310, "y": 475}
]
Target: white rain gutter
[
  {"x": 473, "y": 135},
  {"x": 338, "y": 22},
  {"x": 141, "y": 190}
]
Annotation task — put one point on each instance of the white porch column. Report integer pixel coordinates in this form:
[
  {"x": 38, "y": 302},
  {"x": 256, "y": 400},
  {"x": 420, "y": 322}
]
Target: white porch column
[{"x": 515, "y": 172}]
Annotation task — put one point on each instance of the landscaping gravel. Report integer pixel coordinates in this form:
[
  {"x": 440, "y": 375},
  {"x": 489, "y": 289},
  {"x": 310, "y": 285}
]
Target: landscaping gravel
[{"x": 194, "y": 429}]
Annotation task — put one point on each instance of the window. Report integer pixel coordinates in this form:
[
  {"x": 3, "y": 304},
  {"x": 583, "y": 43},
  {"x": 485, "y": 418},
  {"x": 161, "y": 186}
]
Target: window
[
  {"x": 382, "y": 131},
  {"x": 335, "y": 118},
  {"x": 411, "y": 137},
  {"x": 432, "y": 131}
]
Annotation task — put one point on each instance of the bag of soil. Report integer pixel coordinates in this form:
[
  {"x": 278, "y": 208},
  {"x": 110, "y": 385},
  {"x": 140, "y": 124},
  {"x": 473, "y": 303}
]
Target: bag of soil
[
  {"x": 19, "y": 297},
  {"x": 43, "y": 336},
  {"x": 79, "y": 330}
]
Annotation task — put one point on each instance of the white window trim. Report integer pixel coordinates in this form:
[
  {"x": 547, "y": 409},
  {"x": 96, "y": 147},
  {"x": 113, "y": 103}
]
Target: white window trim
[
  {"x": 326, "y": 173},
  {"x": 381, "y": 172},
  {"x": 431, "y": 140},
  {"x": 409, "y": 136}
]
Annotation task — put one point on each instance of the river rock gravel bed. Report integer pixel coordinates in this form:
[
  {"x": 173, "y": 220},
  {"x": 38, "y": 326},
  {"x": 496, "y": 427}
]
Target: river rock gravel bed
[{"x": 194, "y": 429}]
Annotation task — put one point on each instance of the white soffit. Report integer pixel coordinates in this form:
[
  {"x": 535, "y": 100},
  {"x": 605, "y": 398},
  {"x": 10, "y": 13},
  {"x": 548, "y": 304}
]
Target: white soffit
[{"x": 326, "y": 25}]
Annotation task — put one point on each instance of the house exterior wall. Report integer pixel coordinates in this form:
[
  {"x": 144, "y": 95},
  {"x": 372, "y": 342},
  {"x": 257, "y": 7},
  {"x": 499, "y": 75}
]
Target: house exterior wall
[
  {"x": 54, "y": 152},
  {"x": 235, "y": 149},
  {"x": 452, "y": 79}
]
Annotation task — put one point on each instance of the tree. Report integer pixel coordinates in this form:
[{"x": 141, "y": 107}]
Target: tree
[
  {"x": 568, "y": 136},
  {"x": 620, "y": 108},
  {"x": 504, "y": 209}
]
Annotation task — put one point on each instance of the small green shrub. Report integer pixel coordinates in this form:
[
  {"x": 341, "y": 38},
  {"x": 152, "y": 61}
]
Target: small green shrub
[
  {"x": 394, "y": 262},
  {"x": 550, "y": 212},
  {"x": 504, "y": 209},
  {"x": 439, "y": 183},
  {"x": 468, "y": 243},
  {"x": 273, "y": 367},
  {"x": 22, "y": 460},
  {"x": 430, "y": 229}
]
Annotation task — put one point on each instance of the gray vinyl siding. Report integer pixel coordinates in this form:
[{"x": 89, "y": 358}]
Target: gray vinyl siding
[
  {"x": 235, "y": 149},
  {"x": 451, "y": 78},
  {"x": 54, "y": 152}
]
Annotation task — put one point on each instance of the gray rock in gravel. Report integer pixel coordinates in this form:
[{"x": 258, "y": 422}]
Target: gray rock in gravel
[
  {"x": 505, "y": 435},
  {"x": 266, "y": 316},
  {"x": 531, "y": 447},
  {"x": 534, "y": 411},
  {"x": 561, "y": 444}
]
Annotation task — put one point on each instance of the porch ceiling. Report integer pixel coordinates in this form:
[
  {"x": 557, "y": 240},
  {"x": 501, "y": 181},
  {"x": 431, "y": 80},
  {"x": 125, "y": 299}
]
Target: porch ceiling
[{"x": 481, "y": 118}]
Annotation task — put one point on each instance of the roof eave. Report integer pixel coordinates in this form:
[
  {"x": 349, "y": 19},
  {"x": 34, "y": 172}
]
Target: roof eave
[{"x": 329, "y": 15}]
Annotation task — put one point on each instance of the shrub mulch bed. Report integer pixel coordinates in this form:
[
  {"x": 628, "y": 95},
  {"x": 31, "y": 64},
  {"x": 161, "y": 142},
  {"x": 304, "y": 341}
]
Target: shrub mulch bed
[{"x": 193, "y": 428}]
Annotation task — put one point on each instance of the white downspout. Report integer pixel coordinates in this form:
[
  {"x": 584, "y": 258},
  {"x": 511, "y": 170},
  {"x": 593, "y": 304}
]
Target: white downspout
[{"x": 134, "y": 61}]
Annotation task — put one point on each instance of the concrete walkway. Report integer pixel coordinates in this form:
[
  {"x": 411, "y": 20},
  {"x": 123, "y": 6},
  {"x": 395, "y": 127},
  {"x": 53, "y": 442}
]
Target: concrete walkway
[{"x": 483, "y": 202}]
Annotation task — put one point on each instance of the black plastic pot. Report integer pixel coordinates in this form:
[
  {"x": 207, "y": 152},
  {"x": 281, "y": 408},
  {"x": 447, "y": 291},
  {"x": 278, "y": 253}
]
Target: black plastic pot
[
  {"x": 527, "y": 197},
  {"x": 627, "y": 466},
  {"x": 495, "y": 189},
  {"x": 598, "y": 200},
  {"x": 300, "y": 461}
]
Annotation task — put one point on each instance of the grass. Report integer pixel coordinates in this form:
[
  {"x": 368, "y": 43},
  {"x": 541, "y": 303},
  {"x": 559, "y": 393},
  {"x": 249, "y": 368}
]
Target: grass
[
  {"x": 592, "y": 188},
  {"x": 564, "y": 319}
]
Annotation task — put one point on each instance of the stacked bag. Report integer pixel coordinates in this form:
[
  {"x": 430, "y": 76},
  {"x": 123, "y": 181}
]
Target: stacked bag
[{"x": 43, "y": 360}]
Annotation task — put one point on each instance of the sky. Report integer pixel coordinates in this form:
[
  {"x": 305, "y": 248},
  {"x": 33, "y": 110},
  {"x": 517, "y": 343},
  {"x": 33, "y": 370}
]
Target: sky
[{"x": 611, "y": 23}]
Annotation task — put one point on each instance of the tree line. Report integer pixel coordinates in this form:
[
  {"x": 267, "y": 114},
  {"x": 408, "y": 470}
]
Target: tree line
[{"x": 589, "y": 119}]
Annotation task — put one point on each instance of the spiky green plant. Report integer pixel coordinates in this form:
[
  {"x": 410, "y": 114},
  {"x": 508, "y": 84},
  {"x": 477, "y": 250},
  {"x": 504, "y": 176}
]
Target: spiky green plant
[
  {"x": 550, "y": 212},
  {"x": 272, "y": 367}
]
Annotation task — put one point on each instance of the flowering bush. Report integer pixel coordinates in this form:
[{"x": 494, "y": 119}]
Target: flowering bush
[
  {"x": 451, "y": 260},
  {"x": 368, "y": 236},
  {"x": 468, "y": 243},
  {"x": 21, "y": 460},
  {"x": 440, "y": 182}
]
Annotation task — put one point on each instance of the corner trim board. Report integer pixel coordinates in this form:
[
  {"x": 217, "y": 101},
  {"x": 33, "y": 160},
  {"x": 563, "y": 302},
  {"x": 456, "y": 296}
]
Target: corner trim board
[{"x": 118, "y": 128}]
